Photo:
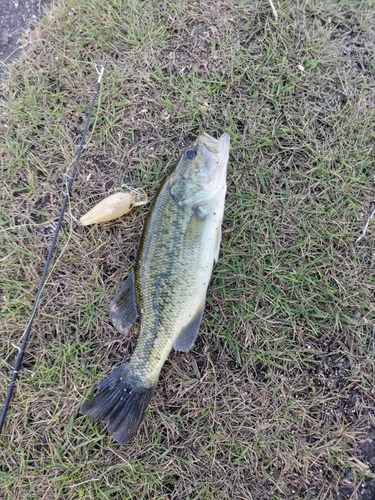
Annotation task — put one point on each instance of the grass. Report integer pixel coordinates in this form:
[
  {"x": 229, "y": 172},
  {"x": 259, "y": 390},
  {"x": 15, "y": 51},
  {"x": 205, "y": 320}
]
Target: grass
[{"x": 276, "y": 399}]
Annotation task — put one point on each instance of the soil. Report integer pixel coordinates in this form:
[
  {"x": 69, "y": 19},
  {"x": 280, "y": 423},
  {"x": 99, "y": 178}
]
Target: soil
[{"x": 15, "y": 18}]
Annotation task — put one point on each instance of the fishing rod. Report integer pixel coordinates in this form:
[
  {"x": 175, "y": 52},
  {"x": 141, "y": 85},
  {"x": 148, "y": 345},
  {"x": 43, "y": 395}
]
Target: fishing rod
[{"x": 100, "y": 70}]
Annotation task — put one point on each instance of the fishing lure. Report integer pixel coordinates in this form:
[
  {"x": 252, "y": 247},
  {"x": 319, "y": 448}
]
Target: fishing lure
[{"x": 114, "y": 206}]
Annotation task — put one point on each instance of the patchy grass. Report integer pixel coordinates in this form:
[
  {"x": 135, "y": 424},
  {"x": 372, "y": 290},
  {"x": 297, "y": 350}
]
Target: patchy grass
[{"x": 276, "y": 399}]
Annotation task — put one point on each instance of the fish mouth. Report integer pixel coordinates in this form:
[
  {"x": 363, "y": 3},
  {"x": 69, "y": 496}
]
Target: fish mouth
[{"x": 217, "y": 146}]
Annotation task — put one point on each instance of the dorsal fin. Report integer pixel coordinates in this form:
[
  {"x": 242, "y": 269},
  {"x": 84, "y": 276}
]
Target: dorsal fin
[{"x": 123, "y": 308}]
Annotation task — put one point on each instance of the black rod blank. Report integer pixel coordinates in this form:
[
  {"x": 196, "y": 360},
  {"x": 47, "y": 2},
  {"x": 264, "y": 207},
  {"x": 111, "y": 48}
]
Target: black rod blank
[{"x": 100, "y": 69}]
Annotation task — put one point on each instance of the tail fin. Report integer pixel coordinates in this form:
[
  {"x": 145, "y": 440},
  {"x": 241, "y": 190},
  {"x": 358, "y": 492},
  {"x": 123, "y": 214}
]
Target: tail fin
[{"x": 120, "y": 401}]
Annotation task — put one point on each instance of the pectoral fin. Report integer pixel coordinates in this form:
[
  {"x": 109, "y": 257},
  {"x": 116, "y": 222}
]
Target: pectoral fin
[
  {"x": 217, "y": 244},
  {"x": 189, "y": 334},
  {"x": 123, "y": 308}
]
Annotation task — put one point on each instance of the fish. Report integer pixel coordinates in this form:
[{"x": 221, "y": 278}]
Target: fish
[
  {"x": 114, "y": 206},
  {"x": 167, "y": 289}
]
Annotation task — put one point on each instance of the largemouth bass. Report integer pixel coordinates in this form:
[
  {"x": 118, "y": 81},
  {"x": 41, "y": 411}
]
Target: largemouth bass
[{"x": 167, "y": 289}]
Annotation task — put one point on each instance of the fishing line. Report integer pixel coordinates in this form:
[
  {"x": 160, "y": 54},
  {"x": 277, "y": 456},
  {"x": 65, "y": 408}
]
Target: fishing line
[{"x": 21, "y": 350}]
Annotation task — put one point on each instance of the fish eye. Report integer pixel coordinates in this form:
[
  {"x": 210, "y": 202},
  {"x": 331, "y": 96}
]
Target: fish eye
[{"x": 190, "y": 154}]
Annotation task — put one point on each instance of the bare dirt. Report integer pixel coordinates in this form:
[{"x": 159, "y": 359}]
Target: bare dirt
[{"x": 15, "y": 18}]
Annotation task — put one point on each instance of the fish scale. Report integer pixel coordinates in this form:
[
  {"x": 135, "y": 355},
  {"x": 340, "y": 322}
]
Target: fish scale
[
  {"x": 162, "y": 278},
  {"x": 167, "y": 289}
]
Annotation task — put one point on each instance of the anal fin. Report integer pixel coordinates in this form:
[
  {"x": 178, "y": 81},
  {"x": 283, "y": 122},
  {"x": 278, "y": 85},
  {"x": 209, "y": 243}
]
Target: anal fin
[
  {"x": 188, "y": 335},
  {"x": 123, "y": 308}
]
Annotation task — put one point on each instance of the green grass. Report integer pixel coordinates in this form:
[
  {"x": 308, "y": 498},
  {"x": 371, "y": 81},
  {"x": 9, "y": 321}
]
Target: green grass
[{"x": 276, "y": 399}]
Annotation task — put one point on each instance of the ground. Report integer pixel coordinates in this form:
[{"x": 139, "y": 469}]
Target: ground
[
  {"x": 276, "y": 399},
  {"x": 16, "y": 17}
]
